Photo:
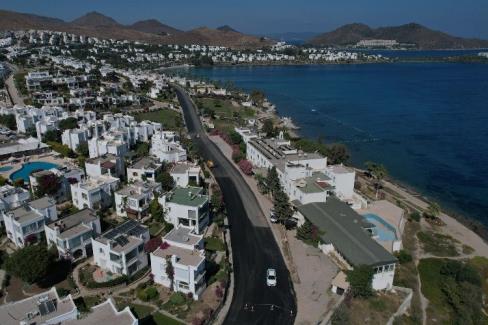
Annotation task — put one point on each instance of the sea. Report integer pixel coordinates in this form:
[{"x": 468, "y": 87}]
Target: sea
[{"x": 426, "y": 122}]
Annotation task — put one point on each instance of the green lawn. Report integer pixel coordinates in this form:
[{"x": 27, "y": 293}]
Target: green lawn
[
  {"x": 214, "y": 244},
  {"x": 438, "y": 244},
  {"x": 160, "y": 319},
  {"x": 168, "y": 118},
  {"x": 225, "y": 109},
  {"x": 141, "y": 311},
  {"x": 154, "y": 228}
]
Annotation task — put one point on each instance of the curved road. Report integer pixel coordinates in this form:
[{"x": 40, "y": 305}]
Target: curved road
[{"x": 253, "y": 245}]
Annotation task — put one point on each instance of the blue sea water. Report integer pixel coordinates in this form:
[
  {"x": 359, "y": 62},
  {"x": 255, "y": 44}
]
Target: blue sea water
[
  {"x": 30, "y": 167},
  {"x": 426, "y": 122}
]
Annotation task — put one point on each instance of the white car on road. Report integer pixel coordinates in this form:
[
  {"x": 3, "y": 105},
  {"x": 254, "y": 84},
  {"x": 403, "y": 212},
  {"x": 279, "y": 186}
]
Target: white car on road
[{"x": 271, "y": 277}]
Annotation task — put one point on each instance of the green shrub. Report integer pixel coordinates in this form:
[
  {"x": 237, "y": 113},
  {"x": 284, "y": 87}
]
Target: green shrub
[
  {"x": 177, "y": 298},
  {"x": 403, "y": 256},
  {"x": 415, "y": 216}
]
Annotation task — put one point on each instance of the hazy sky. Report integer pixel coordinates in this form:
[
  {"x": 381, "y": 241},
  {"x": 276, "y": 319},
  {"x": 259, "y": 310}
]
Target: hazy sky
[{"x": 458, "y": 17}]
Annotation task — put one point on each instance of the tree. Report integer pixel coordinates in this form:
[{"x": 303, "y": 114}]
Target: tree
[
  {"x": 156, "y": 210},
  {"x": 83, "y": 150},
  {"x": 47, "y": 185},
  {"x": 3, "y": 180},
  {"x": 9, "y": 121},
  {"x": 360, "y": 279},
  {"x": 268, "y": 128},
  {"x": 262, "y": 186},
  {"x": 142, "y": 149},
  {"x": 257, "y": 96},
  {"x": 308, "y": 233},
  {"x": 273, "y": 181},
  {"x": 433, "y": 211},
  {"x": 152, "y": 244},
  {"x": 245, "y": 166},
  {"x": 337, "y": 154},
  {"x": 216, "y": 199},
  {"x": 68, "y": 123},
  {"x": 378, "y": 172},
  {"x": 281, "y": 205},
  {"x": 30, "y": 263},
  {"x": 52, "y": 136},
  {"x": 167, "y": 182},
  {"x": 170, "y": 271},
  {"x": 235, "y": 137}
]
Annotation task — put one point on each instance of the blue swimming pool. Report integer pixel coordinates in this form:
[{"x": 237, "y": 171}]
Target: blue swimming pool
[
  {"x": 29, "y": 167},
  {"x": 5, "y": 169},
  {"x": 382, "y": 229}
]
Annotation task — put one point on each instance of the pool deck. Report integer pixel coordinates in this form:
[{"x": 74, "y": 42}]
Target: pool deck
[
  {"x": 51, "y": 158},
  {"x": 391, "y": 214}
]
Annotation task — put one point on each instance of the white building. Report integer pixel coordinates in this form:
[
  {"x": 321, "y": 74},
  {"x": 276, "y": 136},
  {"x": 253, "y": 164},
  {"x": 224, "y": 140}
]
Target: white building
[
  {"x": 74, "y": 137},
  {"x": 187, "y": 207},
  {"x": 65, "y": 176},
  {"x": 72, "y": 235},
  {"x": 185, "y": 174},
  {"x": 344, "y": 237},
  {"x": 121, "y": 249},
  {"x": 45, "y": 308},
  {"x": 26, "y": 223},
  {"x": 133, "y": 200},
  {"x": 185, "y": 251},
  {"x": 114, "y": 144},
  {"x": 106, "y": 313},
  {"x": 106, "y": 165},
  {"x": 342, "y": 178},
  {"x": 145, "y": 168},
  {"x": 165, "y": 147},
  {"x": 12, "y": 197},
  {"x": 94, "y": 193}
]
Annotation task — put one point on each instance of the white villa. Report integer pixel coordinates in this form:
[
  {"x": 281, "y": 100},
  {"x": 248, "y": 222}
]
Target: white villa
[
  {"x": 121, "y": 249},
  {"x": 165, "y": 147},
  {"x": 94, "y": 193},
  {"x": 185, "y": 251},
  {"x": 26, "y": 223},
  {"x": 185, "y": 174},
  {"x": 133, "y": 200},
  {"x": 146, "y": 168},
  {"x": 12, "y": 197},
  {"x": 186, "y": 206},
  {"x": 72, "y": 235}
]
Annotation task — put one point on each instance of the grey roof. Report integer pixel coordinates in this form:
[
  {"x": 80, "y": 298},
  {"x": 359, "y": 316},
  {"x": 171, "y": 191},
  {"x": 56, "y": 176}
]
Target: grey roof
[
  {"x": 145, "y": 163},
  {"x": 343, "y": 227},
  {"x": 42, "y": 203},
  {"x": 105, "y": 313},
  {"x": 183, "y": 235},
  {"x": 44, "y": 307},
  {"x": 84, "y": 216}
]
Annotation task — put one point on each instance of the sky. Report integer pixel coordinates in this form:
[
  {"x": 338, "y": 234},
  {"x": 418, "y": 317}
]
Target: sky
[{"x": 467, "y": 18}]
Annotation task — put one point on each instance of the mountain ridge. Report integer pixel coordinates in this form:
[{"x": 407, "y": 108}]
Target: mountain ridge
[{"x": 412, "y": 33}]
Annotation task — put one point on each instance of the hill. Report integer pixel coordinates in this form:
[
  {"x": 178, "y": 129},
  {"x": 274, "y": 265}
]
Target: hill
[
  {"x": 94, "y": 19},
  {"x": 95, "y": 24},
  {"x": 154, "y": 26},
  {"x": 421, "y": 36},
  {"x": 226, "y": 28}
]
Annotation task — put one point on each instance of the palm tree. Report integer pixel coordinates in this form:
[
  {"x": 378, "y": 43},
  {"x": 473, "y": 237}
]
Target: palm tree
[
  {"x": 433, "y": 210},
  {"x": 378, "y": 172}
]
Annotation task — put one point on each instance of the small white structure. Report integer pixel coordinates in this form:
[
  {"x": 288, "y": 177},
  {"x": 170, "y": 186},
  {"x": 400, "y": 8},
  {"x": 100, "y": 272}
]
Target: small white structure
[
  {"x": 94, "y": 193},
  {"x": 134, "y": 199},
  {"x": 186, "y": 206},
  {"x": 26, "y": 223},
  {"x": 342, "y": 178},
  {"x": 12, "y": 197},
  {"x": 74, "y": 137},
  {"x": 165, "y": 147},
  {"x": 185, "y": 251},
  {"x": 106, "y": 165},
  {"x": 121, "y": 249},
  {"x": 185, "y": 174},
  {"x": 146, "y": 168},
  {"x": 72, "y": 235},
  {"x": 45, "y": 308}
]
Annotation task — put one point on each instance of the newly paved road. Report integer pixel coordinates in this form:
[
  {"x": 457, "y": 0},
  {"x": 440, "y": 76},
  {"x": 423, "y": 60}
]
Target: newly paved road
[{"x": 254, "y": 247}]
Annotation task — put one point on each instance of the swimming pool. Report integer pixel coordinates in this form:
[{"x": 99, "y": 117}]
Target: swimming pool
[
  {"x": 29, "y": 167},
  {"x": 5, "y": 169},
  {"x": 382, "y": 229}
]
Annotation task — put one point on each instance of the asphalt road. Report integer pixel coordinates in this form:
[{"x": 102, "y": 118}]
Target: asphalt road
[{"x": 253, "y": 245}]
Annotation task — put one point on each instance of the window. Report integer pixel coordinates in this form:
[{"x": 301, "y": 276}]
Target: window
[
  {"x": 114, "y": 257},
  {"x": 101, "y": 250}
]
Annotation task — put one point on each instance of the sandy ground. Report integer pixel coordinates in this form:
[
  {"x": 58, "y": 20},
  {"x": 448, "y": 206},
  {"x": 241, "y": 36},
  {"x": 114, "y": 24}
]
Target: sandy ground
[
  {"x": 312, "y": 271},
  {"x": 453, "y": 227}
]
